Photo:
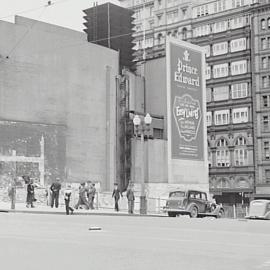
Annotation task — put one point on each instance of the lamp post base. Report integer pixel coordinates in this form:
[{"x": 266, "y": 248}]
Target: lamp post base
[{"x": 143, "y": 205}]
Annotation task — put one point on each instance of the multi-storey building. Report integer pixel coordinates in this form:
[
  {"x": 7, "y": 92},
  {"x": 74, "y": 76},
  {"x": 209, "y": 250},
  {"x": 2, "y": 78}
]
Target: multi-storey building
[
  {"x": 235, "y": 35},
  {"x": 261, "y": 96}
]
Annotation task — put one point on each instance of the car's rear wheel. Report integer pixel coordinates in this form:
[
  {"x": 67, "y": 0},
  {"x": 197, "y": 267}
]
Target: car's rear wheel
[
  {"x": 194, "y": 212},
  {"x": 220, "y": 213},
  {"x": 171, "y": 214}
]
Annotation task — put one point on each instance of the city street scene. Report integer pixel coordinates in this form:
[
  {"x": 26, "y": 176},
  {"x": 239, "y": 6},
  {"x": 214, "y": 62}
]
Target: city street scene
[{"x": 135, "y": 134}]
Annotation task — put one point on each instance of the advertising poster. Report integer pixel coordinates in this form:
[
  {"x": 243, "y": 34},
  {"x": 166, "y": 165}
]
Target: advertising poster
[{"x": 185, "y": 94}]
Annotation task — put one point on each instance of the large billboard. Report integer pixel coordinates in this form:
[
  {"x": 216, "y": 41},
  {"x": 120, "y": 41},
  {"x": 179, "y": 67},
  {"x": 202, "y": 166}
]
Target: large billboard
[{"x": 185, "y": 100}]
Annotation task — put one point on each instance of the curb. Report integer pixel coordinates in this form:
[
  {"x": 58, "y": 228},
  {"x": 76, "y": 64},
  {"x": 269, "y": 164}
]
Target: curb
[{"x": 79, "y": 213}]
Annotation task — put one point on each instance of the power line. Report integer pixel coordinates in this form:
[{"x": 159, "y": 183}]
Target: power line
[
  {"x": 49, "y": 3},
  {"x": 86, "y": 43},
  {"x": 26, "y": 33}
]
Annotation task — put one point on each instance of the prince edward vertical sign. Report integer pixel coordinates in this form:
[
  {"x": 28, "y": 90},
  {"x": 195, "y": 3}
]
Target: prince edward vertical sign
[{"x": 186, "y": 101}]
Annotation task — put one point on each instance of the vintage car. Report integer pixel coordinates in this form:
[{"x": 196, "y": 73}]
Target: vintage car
[
  {"x": 193, "y": 203},
  {"x": 259, "y": 209}
]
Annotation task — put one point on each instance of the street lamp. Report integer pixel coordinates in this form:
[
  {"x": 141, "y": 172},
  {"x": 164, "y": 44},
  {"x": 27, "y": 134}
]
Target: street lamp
[{"x": 141, "y": 126}]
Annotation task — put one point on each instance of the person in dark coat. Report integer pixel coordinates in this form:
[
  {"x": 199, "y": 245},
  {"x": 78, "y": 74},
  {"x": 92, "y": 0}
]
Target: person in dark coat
[
  {"x": 82, "y": 197},
  {"x": 30, "y": 198},
  {"x": 55, "y": 189},
  {"x": 91, "y": 195},
  {"x": 67, "y": 196},
  {"x": 131, "y": 199},
  {"x": 116, "y": 195}
]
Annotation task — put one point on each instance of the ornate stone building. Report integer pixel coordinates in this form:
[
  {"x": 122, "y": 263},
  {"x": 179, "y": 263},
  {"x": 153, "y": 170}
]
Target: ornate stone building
[{"x": 235, "y": 35}]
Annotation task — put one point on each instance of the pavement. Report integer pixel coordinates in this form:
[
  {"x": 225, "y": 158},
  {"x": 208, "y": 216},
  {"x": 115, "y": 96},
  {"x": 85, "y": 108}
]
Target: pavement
[
  {"x": 44, "y": 209},
  {"x": 60, "y": 242}
]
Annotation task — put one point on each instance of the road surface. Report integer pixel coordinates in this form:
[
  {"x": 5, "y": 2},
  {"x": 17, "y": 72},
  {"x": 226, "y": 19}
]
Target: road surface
[{"x": 52, "y": 242}]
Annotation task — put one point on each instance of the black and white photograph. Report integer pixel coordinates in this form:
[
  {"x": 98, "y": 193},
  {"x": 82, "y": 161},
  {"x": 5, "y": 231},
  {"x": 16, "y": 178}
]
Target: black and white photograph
[{"x": 135, "y": 134}]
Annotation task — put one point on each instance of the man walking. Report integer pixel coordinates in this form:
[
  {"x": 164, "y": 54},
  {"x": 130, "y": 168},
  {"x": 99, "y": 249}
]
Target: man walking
[
  {"x": 30, "y": 198},
  {"x": 116, "y": 195},
  {"x": 82, "y": 197},
  {"x": 131, "y": 198},
  {"x": 55, "y": 189},
  {"x": 67, "y": 196}
]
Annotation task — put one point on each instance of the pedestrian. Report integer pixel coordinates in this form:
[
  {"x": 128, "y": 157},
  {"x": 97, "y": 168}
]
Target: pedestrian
[
  {"x": 91, "y": 195},
  {"x": 116, "y": 195},
  {"x": 30, "y": 198},
  {"x": 131, "y": 198},
  {"x": 55, "y": 189},
  {"x": 82, "y": 197},
  {"x": 12, "y": 193},
  {"x": 67, "y": 196}
]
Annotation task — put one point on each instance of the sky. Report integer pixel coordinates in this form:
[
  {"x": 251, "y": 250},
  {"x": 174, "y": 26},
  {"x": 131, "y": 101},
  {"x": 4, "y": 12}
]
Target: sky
[{"x": 66, "y": 13}]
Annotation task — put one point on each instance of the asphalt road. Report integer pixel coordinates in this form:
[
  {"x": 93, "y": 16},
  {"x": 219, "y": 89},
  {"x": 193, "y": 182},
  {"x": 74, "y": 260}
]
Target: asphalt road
[{"x": 39, "y": 242}]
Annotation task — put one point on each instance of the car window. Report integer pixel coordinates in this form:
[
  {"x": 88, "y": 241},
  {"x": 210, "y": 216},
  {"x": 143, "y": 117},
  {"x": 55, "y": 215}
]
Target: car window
[
  {"x": 192, "y": 195},
  {"x": 177, "y": 194},
  {"x": 203, "y": 196},
  {"x": 197, "y": 195}
]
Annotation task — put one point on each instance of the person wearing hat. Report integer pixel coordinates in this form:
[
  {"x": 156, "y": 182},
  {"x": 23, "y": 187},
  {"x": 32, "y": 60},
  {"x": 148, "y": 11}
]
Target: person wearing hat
[
  {"x": 55, "y": 189},
  {"x": 116, "y": 195},
  {"x": 67, "y": 196}
]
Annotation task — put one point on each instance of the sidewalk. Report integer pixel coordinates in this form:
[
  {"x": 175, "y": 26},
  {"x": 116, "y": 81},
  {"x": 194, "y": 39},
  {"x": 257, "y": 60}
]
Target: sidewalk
[{"x": 44, "y": 209}]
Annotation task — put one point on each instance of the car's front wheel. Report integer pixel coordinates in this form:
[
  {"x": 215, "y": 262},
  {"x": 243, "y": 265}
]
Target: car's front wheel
[
  {"x": 194, "y": 212},
  {"x": 220, "y": 213},
  {"x": 171, "y": 214}
]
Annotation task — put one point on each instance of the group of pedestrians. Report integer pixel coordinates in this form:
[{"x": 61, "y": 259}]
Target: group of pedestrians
[
  {"x": 87, "y": 192},
  {"x": 87, "y": 195},
  {"x": 130, "y": 197}
]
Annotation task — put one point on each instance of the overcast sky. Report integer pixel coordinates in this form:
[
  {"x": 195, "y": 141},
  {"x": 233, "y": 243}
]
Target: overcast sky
[{"x": 67, "y": 13}]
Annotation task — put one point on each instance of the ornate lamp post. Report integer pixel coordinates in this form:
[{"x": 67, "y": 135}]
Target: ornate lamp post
[{"x": 141, "y": 127}]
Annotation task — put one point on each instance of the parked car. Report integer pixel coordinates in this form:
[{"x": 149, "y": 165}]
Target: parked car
[
  {"x": 259, "y": 209},
  {"x": 193, "y": 203}
]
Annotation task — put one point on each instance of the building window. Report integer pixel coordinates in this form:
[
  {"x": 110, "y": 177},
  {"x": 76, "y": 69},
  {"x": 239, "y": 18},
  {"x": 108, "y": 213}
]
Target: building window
[
  {"x": 209, "y": 119},
  {"x": 265, "y": 123},
  {"x": 240, "y": 152},
  {"x": 266, "y": 150},
  {"x": 209, "y": 158},
  {"x": 220, "y": 70},
  {"x": 221, "y": 93},
  {"x": 267, "y": 175},
  {"x": 184, "y": 12},
  {"x": 184, "y": 33},
  {"x": 237, "y": 3},
  {"x": 220, "y": 26},
  {"x": 237, "y": 22},
  {"x": 239, "y": 44},
  {"x": 222, "y": 154},
  {"x": 220, "y": 48},
  {"x": 208, "y": 94},
  {"x": 160, "y": 39},
  {"x": 265, "y": 100},
  {"x": 222, "y": 117},
  {"x": 208, "y": 73},
  {"x": 264, "y": 62},
  {"x": 158, "y": 133},
  {"x": 265, "y": 81},
  {"x": 263, "y": 24},
  {"x": 239, "y": 90},
  {"x": 172, "y": 17},
  {"x": 159, "y": 18},
  {"x": 240, "y": 115},
  {"x": 264, "y": 43},
  {"x": 239, "y": 67},
  {"x": 207, "y": 50}
]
